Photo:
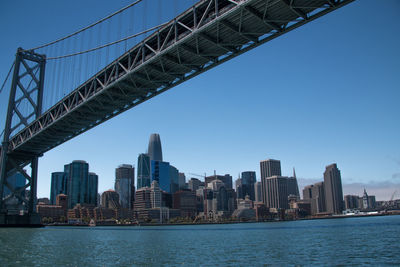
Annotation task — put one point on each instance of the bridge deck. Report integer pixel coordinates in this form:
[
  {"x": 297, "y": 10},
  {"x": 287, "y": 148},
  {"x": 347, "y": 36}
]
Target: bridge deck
[{"x": 204, "y": 36}]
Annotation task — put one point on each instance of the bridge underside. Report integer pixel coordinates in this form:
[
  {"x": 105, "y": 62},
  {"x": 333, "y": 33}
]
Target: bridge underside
[{"x": 206, "y": 35}]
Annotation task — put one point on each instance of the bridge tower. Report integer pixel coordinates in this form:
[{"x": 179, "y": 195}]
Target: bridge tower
[{"x": 18, "y": 206}]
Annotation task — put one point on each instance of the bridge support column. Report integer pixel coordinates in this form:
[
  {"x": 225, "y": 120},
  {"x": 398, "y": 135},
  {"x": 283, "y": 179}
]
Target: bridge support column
[{"x": 17, "y": 205}]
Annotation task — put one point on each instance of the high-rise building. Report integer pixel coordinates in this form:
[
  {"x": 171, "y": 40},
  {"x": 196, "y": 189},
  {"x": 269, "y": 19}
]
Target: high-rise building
[
  {"x": 185, "y": 201},
  {"x": 154, "y": 149},
  {"x": 58, "y": 186},
  {"x": 247, "y": 185},
  {"x": 293, "y": 188},
  {"x": 333, "y": 189},
  {"x": 351, "y": 202},
  {"x": 143, "y": 171},
  {"x": 194, "y": 184},
  {"x": 258, "y": 192},
  {"x": 125, "y": 185},
  {"x": 276, "y": 192},
  {"x": 268, "y": 168},
  {"x": 318, "y": 198},
  {"x": 160, "y": 172},
  {"x": 92, "y": 188},
  {"x": 155, "y": 195},
  {"x": 77, "y": 174},
  {"x": 182, "y": 180},
  {"x": 174, "y": 179},
  {"x": 226, "y": 179},
  {"x": 307, "y": 192},
  {"x": 110, "y": 200}
]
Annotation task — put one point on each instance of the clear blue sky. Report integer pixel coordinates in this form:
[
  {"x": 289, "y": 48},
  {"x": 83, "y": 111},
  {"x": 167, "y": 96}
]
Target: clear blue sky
[{"x": 326, "y": 92}]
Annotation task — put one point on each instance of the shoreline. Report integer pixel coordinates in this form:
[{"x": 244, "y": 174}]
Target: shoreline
[{"x": 229, "y": 222}]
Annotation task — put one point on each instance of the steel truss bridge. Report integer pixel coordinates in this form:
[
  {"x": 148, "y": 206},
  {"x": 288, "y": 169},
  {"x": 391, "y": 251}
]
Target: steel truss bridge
[{"x": 204, "y": 36}]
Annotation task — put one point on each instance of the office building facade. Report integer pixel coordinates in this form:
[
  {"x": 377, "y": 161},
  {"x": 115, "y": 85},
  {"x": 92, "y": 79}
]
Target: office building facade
[
  {"x": 333, "y": 189},
  {"x": 143, "y": 171},
  {"x": 125, "y": 185},
  {"x": 268, "y": 168},
  {"x": 276, "y": 192},
  {"x": 58, "y": 186}
]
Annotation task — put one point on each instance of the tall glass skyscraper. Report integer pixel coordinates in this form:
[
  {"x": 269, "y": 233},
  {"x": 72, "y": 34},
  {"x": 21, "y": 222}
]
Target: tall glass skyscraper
[
  {"x": 160, "y": 172},
  {"x": 58, "y": 186},
  {"x": 143, "y": 171},
  {"x": 125, "y": 185},
  {"x": 92, "y": 188},
  {"x": 77, "y": 174},
  {"x": 81, "y": 186},
  {"x": 154, "y": 150}
]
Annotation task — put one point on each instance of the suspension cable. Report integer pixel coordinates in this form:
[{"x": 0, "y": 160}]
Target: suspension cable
[
  {"x": 87, "y": 27},
  {"x": 4, "y": 83},
  {"x": 106, "y": 45}
]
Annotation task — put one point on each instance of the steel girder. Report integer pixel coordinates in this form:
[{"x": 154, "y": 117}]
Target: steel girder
[{"x": 204, "y": 36}]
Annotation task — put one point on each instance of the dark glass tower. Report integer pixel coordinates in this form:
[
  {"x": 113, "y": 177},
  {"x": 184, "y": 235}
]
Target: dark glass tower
[
  {"x": 154, "y": 149},
  {"x": 125, "y": 185},
  {"x": 143, "y": 171},
  {"x": 77, "y": 174},
  {"x": 58, "y": 186}
]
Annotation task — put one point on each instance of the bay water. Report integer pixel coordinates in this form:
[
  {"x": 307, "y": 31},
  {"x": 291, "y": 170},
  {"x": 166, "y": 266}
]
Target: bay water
[{"x": 328, "y": 242}]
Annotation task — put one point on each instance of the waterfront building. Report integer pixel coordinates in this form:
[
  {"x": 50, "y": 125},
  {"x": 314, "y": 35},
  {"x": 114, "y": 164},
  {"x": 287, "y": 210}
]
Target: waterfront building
[
  {"x": 276, "y": 192},
  {"x": 125, "y": 185},
  {"x": 182, "y": 181},
  {"x": 268, "y": 168},
  {"x": 142, "y": 199},
  {"x": 244, "y": 210},
  {"x": 226, "y": 179},
  {"x": 143, "y": 171},
  {"x": 194, "y": 184},
  {"x": 62, "y": 201},
  {"x": 110, "y": 199},
  {"x": 43, "y": 200},
  {"x": 154, "y": 149},
  {"x": 77, "y": 175},
  {"x": 333, "y": 189},
  {"x": 185, "y": 201},
  {"x": 307, "y": 192},
  {"x": 351, "y": 202},
  {"x": 318, "y": 198},
  {"x": 155, "y": 195},
  {"x": 58, "y": 186},
  {"x": 258, "y": 192}
]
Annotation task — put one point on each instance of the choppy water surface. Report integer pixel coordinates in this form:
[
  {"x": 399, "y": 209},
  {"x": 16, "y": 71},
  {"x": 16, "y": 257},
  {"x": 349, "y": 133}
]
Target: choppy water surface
[{"x": 356, "y": 241}]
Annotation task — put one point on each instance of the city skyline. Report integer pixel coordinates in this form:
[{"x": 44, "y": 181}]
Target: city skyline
[{"x": 232, "y": 134}]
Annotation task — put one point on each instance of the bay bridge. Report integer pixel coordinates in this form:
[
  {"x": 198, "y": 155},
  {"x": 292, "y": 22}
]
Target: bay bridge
[{"x": 205, "y": 35}]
